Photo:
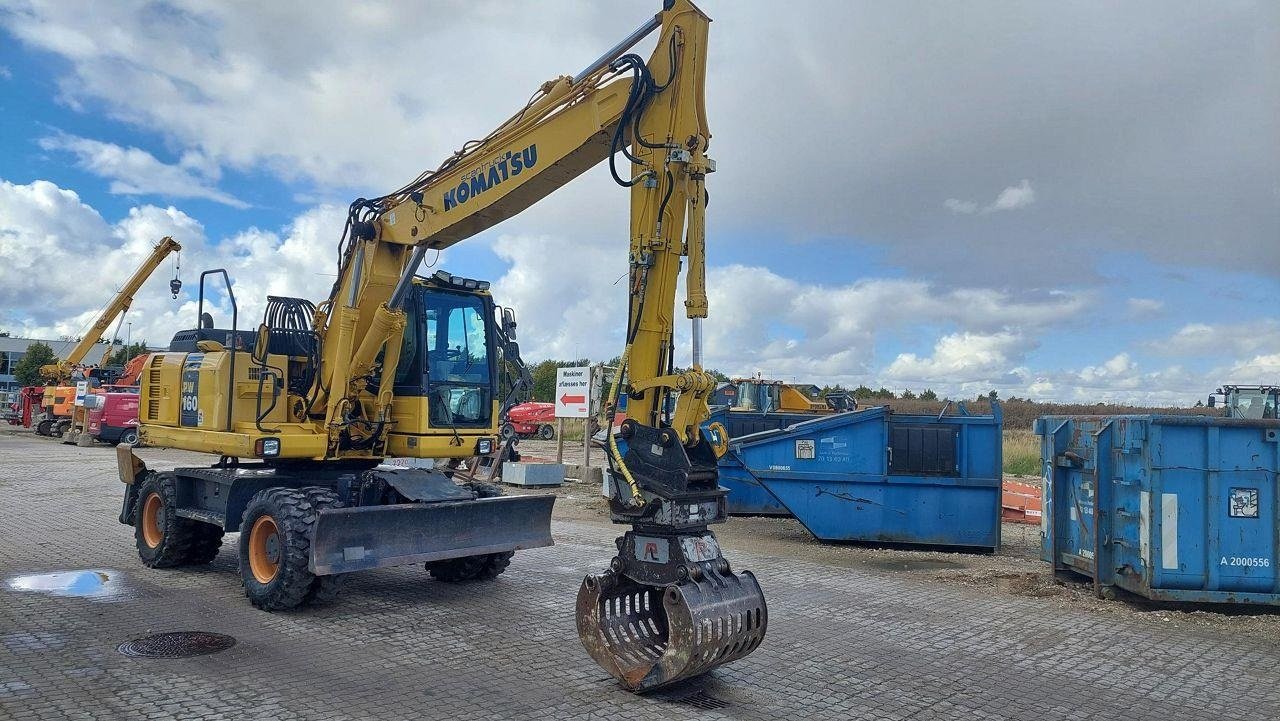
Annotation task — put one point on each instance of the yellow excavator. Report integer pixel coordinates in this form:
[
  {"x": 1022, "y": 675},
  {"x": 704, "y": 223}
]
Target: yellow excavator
[
  {"x": 59, "y": 414},
  {"x": 302, "y": 411}
]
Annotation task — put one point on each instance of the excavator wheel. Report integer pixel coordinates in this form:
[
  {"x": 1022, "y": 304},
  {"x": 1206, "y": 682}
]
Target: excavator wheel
[
  {"x": 324, "y": 589},
  {"x": 164, "y": 539},
  {"x": 484, "y": 567},
  {"x": 44, "y": 428},
  {"x": 275, "y": 545}
]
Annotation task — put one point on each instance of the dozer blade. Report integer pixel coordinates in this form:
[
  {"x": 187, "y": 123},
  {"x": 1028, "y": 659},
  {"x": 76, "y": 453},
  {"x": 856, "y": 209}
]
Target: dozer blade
[
  {"x": 360, "y": 538},
  {"x": 650, "y": 636}
]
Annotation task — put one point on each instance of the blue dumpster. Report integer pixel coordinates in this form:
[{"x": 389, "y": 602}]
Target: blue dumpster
[
  {"x": 1173, "y": 508},
  {"x": 746, "y": 496},
  {"x": 874, "y": 475}
]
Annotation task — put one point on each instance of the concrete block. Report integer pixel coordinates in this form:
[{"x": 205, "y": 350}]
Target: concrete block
[
  {"x": 583, "y": 474},
  {"x": 533, "y": 474}
]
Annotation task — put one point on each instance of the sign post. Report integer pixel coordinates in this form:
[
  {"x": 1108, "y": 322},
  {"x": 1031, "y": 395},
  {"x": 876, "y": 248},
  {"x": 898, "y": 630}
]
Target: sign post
[
  {"x": 576, "y": 390},
  {"x": 573, "y": 392}
]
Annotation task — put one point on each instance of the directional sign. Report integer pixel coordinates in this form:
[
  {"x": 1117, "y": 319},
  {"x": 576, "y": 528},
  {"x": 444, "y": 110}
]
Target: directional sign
[
  {"x": 573, "y": 391},
  {"x": 82, "y": 389}
]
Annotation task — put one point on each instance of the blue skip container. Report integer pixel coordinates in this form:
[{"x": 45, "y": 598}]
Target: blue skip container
[
  {"x": 876, "y": 476},
  {"x": 746, "y": 496},
  {"x": 1173, "y": 508}
]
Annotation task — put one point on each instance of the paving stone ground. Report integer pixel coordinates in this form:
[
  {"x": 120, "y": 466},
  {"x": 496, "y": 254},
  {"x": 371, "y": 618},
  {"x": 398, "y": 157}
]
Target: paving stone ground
[{"x": 843, "y": 643}]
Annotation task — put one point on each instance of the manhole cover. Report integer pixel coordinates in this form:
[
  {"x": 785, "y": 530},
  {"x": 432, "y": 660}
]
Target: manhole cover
[
  {"x": 179, "y": 644},
  {"x": 704, "y": 700}
]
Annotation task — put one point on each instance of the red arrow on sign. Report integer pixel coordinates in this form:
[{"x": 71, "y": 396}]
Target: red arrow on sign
[{"x": 567, "y": 399}]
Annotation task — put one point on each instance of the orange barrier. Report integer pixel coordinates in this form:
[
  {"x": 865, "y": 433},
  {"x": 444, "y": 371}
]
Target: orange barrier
[{"x": 1021, "y": 503}]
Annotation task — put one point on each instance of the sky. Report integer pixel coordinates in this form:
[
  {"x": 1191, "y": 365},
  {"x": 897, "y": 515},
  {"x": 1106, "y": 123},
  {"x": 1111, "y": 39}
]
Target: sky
[{"x": 1072, "y": 201}]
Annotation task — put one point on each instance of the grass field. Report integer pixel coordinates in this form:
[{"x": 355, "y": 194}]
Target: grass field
[{"x": 1021, "y": 452}]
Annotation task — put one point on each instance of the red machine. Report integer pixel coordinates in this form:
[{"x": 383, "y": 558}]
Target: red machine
[
  {"x": 27, "y": 403},
  {"x": 528, "y": 420},
  {"x": 113, "y": 417}
]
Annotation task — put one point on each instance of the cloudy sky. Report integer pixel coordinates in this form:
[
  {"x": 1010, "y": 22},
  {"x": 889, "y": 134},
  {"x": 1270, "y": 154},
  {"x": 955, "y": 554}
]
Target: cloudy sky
[{"x": 1068, "y": 201}]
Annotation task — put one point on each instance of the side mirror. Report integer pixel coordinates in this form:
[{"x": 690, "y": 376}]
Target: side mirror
[
  {"x": 1213, "y": 401},
  {"x": 509, "y": 323},
  {"x": 261, "y": 343}
]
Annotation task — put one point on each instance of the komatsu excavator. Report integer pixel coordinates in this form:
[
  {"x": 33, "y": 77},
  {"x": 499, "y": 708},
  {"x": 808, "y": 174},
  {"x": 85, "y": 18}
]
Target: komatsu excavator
[
  {"x": 393, "y": 364},
  {"x": 58, "y": 412}
]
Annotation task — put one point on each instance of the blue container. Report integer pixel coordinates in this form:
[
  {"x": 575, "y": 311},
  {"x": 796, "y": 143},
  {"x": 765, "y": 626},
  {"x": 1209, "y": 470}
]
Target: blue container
[
  {"x": 1173, "y": 508},
  {"x": 875, "y": 476},
  {"x": 746, "y": 496}
]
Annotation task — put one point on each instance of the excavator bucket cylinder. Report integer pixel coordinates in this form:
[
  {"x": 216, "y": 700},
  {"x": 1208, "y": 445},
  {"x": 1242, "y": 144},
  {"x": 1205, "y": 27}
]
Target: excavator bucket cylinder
[{"x": 648, "y": 636}]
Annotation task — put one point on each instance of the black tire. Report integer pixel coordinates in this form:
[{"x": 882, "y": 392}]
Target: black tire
[
  {"x": 292, "y": 515},
  {"x": 44, "y": 428},
  {"x": 546, "y": 433},
  {"x": 484, "y": 567},
  {"x": 507, "y": 432},
  {"x": 325, "y": 588},
  {"x": 129, "y": 437},
  {"x": 165, "y": 540},
  {"x": 60, "y": 428}
]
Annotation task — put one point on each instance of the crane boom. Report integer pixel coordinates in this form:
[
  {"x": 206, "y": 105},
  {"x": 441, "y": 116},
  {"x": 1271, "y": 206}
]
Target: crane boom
[{"x": 61, "y": 371}]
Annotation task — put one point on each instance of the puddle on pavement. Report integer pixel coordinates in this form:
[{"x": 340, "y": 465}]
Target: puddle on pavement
[{"x": 80, "y": 584}]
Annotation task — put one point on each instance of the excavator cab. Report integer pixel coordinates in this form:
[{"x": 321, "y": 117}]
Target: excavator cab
[{"x": 1253, "y": 402}]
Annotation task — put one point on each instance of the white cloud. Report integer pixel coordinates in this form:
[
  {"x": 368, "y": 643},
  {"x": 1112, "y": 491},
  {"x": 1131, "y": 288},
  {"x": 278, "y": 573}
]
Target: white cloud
[
  {"x": 567, "y": 295},
  {"x": 5, "y": 73},
  {"x": 298, "y": 260},
  {"x": 1260, "y": 369},
  {"x": 133, "y": 171},
  {"x": 962, "y": 358},
  {"x": 1224, "y": 340},
  {"x": 964, "y": 207},
  {"x": 1144, "y": 307},
  {"x": 82, "y": 259},
  {"x": 1011, "y": 198}
]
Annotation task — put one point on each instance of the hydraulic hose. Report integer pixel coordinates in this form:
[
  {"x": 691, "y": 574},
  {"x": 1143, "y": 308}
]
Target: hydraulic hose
[{"x": 616, "y": 454}]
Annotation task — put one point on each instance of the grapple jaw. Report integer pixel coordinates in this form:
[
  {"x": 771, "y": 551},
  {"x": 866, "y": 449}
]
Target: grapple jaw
[
  {"x": 669, "y": 607},
  {"x": 649, "y": 636}
]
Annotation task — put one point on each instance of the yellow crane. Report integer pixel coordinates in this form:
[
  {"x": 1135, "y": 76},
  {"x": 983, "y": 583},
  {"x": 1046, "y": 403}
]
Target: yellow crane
[
  {"x": 393, "y": 364},
  {"x": 58, "y": 411}
]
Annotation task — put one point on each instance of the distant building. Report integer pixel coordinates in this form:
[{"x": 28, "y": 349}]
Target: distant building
[{"x": 13, "y": 349}]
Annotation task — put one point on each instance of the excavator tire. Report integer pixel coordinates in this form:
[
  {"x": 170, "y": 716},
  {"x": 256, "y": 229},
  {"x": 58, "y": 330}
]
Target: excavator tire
[
  {"x": 275, "y": 544},
  {"x": 324, "y": 589},
  {"x": 164, "y": 539},
  {"x": 484, "y": 567},
  {"x": 208, "y": 541},
  {"x": 44, "y": 428}
]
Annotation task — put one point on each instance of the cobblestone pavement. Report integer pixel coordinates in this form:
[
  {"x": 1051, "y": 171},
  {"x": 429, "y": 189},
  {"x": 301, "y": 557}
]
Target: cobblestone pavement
[{"x": 843, "y": 643}]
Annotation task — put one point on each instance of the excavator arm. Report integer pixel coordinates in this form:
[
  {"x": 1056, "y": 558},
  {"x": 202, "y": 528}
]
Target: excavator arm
[{"x": 669, "y": 607}]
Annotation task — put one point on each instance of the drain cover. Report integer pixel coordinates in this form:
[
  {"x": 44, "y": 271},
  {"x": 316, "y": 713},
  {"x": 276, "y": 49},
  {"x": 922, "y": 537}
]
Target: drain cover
[
  {"x": 178, "y": 644},
  {"x": 704, "y": 700}
]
